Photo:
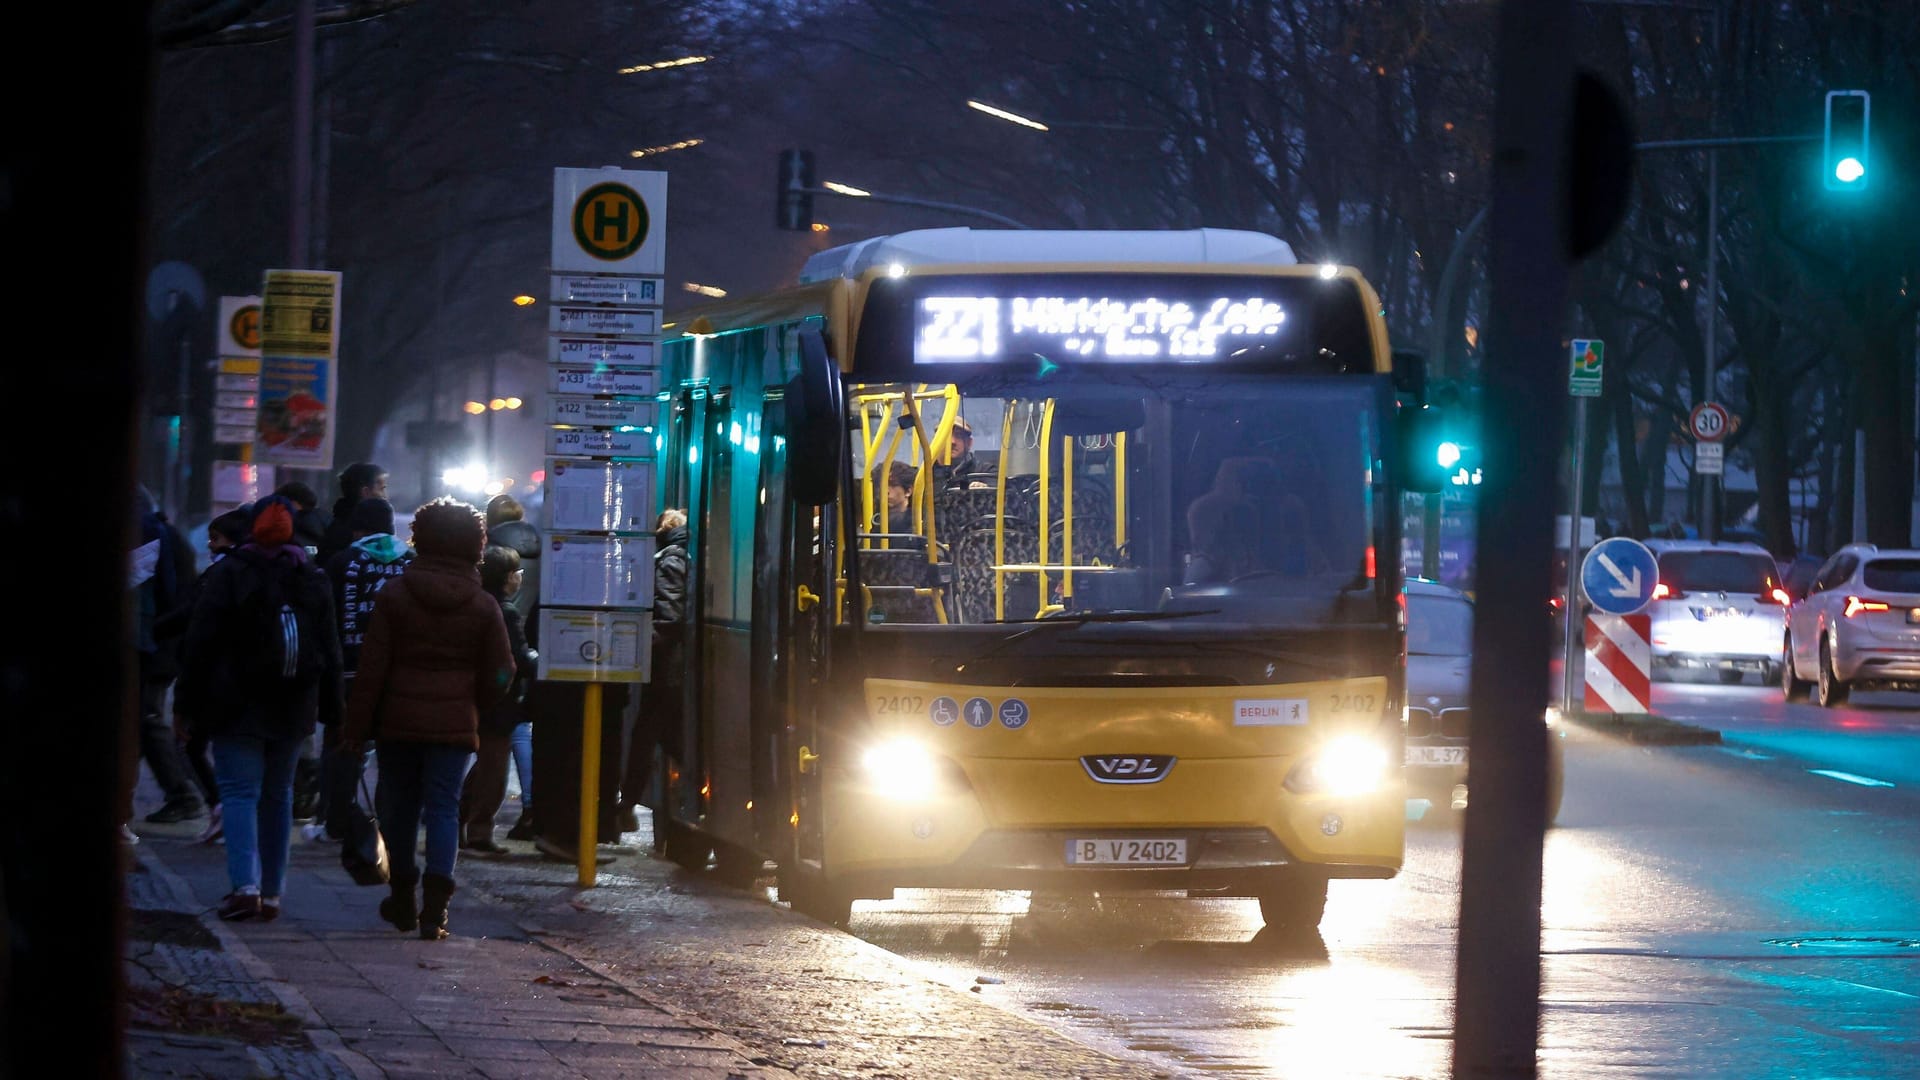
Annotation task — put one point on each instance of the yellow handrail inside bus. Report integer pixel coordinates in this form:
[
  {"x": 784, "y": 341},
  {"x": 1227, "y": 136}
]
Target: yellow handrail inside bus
[
  {"x": 1046, "y": 445},
  {"x": 1120, "y": 491},
  {"x": 1000, "y": 517},
  {"x": 1066, "y": 518}
]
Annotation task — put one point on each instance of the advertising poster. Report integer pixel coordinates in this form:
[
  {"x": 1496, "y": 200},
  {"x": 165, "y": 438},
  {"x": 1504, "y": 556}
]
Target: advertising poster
[
  {"x": 299, "y": 375},
  {"x": 296, "y": 412}
]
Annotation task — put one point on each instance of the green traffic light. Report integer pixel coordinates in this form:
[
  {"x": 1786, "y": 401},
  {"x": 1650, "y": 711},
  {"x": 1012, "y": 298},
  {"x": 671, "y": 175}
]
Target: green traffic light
[
  {"x": 1849, "y": 170},
  {"x": 1447, "y": 454}
]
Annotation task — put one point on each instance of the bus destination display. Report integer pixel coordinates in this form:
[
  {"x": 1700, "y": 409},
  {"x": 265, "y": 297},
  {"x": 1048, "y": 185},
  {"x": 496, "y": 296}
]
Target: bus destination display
[{"x": 1093, "y": 328}]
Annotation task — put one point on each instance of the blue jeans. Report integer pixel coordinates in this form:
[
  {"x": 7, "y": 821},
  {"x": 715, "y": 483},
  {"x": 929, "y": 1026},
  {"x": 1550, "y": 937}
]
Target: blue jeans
[
  {"x": 420, "y": 783},
  {"x": 256, "y": 800},
  {"x": 523, "y": 763}
]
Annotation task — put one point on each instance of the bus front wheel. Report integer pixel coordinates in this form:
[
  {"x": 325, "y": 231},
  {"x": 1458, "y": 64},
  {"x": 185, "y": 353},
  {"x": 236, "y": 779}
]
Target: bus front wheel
[{"x": 1294, "y": 903}]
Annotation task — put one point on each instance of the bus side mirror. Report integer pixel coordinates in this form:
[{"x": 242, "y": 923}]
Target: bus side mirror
[
  {"x": 1410, "y": 374},
  {"x": 816, "y": 419}
]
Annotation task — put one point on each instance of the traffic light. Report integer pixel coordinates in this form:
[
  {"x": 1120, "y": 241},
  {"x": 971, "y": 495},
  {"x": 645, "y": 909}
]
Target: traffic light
[
  {"x": 794, "y": 204},
  {"x": 1844, "y": 159}
]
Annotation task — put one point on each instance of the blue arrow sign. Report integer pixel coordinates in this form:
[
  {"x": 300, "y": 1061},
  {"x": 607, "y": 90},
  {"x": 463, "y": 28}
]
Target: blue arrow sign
[{"x": 1619, "y": 575}]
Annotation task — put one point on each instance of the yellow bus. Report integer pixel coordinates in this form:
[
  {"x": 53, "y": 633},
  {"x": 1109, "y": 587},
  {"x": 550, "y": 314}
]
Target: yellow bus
[{"x": 1141, "y": 628}]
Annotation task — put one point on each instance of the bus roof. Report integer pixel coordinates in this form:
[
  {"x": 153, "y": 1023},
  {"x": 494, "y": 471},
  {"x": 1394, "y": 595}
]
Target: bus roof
[{"x": 933, "y": 247}]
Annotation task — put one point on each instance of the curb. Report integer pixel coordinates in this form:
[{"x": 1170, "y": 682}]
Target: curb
[
  {"x": 1646, "y": 729},
  {"x": 324, "y": 1038}
]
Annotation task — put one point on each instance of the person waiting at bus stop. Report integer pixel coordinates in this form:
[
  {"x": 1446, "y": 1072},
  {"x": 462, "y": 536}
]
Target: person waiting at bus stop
[{"x": 436, "y": 654}]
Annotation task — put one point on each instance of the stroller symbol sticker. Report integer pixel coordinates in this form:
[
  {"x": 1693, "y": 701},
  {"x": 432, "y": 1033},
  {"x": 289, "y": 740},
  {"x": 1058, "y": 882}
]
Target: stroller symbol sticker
[
  {"x": 1013, "y": 713},
  {"x": 979, "y": 712},
  {"x": 944, "y": 711}
]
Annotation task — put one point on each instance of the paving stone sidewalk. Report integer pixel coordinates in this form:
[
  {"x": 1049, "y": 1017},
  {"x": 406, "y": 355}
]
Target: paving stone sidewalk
[{"x": 330, "y": 991}]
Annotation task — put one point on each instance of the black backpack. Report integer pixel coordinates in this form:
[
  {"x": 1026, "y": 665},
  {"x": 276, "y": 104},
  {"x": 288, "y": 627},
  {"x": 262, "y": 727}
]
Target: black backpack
[{"x": 282, "y": 649}]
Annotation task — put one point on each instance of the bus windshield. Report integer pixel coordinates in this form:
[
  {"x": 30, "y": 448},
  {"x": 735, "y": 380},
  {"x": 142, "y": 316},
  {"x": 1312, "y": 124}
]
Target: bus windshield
[{"x": 1220, "y": 498}]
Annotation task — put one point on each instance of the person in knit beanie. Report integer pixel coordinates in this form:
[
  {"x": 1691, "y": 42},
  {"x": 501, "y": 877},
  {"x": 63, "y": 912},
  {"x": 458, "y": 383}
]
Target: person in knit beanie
[{"x": 262, "y": 663}]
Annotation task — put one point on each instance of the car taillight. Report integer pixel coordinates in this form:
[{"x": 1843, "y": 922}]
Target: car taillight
[
  {"x": 1777, "y": 596},
  {"x": 1855, "y": 606}
]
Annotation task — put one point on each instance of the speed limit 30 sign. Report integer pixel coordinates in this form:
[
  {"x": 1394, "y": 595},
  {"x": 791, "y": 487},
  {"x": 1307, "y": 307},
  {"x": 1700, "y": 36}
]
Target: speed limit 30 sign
[{"x": 1708, "y": 422}]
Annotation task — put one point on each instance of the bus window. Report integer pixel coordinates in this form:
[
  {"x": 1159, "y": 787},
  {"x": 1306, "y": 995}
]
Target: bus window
[{"x": 1241, "y": 496}]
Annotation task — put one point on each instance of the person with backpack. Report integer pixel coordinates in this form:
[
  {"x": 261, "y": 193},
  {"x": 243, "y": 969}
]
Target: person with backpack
[
  {"x": 158, "y": 592},
  {"x": 358, "y": 572},
  {"x": 435, "y": 656},
  {"x": 262, "y": 666}
]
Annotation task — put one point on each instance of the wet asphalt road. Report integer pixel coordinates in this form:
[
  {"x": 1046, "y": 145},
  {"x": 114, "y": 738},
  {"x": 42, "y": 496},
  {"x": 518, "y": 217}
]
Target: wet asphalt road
[{"x": 1709, "y": 911}]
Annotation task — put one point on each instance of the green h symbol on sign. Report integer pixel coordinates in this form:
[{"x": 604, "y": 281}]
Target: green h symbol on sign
[{"x": 1588, "y": 357}]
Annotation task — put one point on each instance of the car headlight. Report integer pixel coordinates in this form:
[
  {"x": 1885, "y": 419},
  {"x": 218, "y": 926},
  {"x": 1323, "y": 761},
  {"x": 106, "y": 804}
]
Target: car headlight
[
  {"x": 903, "y": 769},
  {"x": 1347, "y": 765}
]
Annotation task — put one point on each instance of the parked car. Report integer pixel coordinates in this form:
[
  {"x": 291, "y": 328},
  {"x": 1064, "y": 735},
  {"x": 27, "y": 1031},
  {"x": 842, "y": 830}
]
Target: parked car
[
  {"x": 1857, "y": 628},
  {"x": 1719, "y": 606},
  {"x": 1439, "y": 677}
]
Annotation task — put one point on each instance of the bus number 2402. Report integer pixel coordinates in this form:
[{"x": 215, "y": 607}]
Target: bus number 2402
[
  {"x": 1360, "y": 703},
  {"x": 902, "y": 703}
]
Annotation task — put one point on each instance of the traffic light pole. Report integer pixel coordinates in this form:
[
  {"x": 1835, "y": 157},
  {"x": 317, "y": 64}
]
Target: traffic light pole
[{"x": 1574, "y": 628}]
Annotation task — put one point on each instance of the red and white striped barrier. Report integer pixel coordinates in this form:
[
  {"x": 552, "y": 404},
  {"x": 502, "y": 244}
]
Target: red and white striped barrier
[{"x": 1619, "y": 663}]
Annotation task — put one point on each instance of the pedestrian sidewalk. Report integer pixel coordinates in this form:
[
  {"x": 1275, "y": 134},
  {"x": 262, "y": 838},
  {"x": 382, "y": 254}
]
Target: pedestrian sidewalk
[
  {"x": 328, "y": 990},
  {"x": 659, "y": 972}
]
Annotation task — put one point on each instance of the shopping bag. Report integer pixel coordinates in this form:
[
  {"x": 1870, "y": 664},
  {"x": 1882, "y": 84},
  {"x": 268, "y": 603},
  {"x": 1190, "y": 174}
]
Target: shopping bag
[{"x": 364, "y": 851}]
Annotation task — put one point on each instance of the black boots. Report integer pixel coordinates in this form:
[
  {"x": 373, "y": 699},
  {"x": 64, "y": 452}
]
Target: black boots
[
  {"x": 435, "y": 891},
  {"x": 398, "y": 908}
]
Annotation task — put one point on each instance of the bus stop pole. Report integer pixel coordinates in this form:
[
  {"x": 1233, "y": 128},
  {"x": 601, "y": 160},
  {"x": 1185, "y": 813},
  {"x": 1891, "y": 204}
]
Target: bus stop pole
[{"x": 589, "y": 840}]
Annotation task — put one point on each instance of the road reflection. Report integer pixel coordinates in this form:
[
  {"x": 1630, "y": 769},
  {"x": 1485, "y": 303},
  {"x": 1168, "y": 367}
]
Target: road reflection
[{"x": 1198, "y": 986}]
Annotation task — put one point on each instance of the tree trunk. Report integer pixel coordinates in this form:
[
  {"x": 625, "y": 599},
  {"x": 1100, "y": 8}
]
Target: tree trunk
[{"x": 1632, "y": 480}]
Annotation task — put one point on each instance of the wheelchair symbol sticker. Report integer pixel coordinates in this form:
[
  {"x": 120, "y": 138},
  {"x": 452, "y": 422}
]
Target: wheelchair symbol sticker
[
  {"x": 944, "y": 711},
  {"x": 1013, "y": 713},
  {"x": 979, "y": 712}
]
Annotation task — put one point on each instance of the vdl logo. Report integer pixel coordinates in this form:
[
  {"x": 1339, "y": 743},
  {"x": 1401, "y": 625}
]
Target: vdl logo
[{"x": 1127, "y": 768}]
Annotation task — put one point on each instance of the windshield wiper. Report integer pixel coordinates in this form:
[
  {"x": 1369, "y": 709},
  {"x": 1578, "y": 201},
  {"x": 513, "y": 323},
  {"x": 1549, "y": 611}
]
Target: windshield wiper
[{"x": 1075, "y": 621}]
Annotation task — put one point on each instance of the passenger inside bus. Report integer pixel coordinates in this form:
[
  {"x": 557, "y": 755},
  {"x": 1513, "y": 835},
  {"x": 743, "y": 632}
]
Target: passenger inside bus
[
  {"x": 963, "y": 466},
  {"x": 894, "y": 557}
]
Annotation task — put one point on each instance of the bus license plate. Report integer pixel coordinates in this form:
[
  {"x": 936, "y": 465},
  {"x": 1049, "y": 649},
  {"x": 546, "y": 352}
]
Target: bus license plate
[
  {"x": 1436, "y": 755},
  {"x": 1108, "y": 852}
]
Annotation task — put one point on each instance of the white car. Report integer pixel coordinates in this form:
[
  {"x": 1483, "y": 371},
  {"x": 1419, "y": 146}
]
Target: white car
[
  {"x": 1719, "y": 607},
  {"x": 1858, "y": 626}
]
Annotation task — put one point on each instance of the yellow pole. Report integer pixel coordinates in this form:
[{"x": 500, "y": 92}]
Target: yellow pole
[
  {"x": 1120, "y": 491},
  {"x": 1000, "y": 520},
  {"x": 1066, "y": 517},
  {"x": 589, "y": 786},
  {"x": 1046, "y": 445}
]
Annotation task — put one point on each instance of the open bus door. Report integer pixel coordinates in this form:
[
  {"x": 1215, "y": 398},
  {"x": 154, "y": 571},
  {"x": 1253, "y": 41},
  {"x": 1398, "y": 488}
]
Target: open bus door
[
  {"x": 681, "y": 781},
  {"x": 815, "y": 417}
]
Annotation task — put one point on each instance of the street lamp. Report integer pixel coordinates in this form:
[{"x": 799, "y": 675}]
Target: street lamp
[{"x": 1027, "y": 122}]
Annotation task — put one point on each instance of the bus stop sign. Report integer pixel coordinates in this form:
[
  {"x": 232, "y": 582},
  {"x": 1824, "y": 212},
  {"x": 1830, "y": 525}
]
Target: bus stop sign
[{"x": 1619, "y": 575}]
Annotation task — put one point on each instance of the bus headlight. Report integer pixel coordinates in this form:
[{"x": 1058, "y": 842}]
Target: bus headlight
[
  {"x": 1348, "y": 765},
  {"x": 902, "y": 769}
]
